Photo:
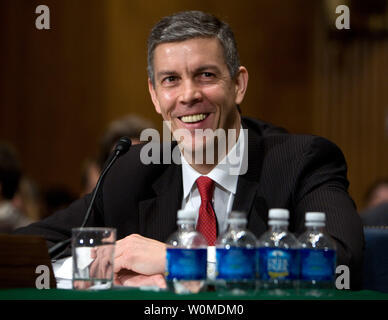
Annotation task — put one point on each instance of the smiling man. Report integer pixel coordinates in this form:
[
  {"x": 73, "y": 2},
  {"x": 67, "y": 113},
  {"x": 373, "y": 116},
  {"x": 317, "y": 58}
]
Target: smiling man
[
  {"x": 196, "y": 83},
  {"x": 193, "y": 89}
]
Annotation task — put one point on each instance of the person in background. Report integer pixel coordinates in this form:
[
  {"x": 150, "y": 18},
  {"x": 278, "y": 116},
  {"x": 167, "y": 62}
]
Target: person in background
[
  {"x": 10, "y": 174},
  {"x": 377, "y": 193},
  {"x": 56, "y": 198},
  {"x": 376, "y": 200},
  {"x": 28, "y": 199},
  {"x": 130, "y": 126},
  {"x": 90, "y": 173}
]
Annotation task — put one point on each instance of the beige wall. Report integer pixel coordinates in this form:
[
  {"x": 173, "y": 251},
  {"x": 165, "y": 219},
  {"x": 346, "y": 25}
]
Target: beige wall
[{"x": 351, "y": 107}]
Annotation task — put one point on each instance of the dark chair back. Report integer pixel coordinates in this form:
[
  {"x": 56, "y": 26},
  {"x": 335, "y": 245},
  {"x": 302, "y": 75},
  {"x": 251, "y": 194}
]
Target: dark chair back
[
  {"x": 20, "y": 255},
  {"x": 376, "y": 259}
]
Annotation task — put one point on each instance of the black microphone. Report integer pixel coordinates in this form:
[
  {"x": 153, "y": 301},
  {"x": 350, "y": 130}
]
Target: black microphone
[{"x": 121, "y": 148}]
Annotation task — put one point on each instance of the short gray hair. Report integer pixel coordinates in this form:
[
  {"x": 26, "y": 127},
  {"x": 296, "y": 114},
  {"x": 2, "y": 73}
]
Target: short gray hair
[{"x": 188, "y": 25}]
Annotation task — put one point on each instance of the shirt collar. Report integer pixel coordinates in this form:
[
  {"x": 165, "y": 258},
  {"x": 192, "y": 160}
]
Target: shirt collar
[{"x": 221, "y": 173}]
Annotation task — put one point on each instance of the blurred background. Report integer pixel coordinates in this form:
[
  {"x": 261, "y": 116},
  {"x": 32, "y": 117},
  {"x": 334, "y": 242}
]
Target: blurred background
[{"x": 60, "y": 89}]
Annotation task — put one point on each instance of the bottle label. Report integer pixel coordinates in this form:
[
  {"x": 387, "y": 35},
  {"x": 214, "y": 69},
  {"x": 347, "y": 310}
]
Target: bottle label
[
  {"x": 186, "y": 264},
  {"x": 317, "y": 264},
  {"x": 236, "y": 263},
  {"x": 278, "y": 263}
]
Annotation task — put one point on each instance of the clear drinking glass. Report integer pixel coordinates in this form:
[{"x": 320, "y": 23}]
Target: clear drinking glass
[{"x": 93, "y": 256}]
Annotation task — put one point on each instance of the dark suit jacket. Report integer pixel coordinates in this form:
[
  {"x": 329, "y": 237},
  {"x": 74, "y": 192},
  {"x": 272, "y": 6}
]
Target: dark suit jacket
[{"x": 298, "y": 172}]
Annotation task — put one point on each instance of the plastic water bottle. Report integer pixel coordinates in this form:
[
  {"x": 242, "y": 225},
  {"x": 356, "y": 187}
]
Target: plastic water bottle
[
  {"x": 278, "y": 255},
  {"x": 186, "y": 256},
  {"x": 317, "y": 254},
  {"x": 236, "y": 257}
]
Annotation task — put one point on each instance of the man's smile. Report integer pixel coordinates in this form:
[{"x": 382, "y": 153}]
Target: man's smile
[
  {"x": 192, "y": 121},
  {"x": 195, "y": 92},
  {"x": 194, "y": 117}
]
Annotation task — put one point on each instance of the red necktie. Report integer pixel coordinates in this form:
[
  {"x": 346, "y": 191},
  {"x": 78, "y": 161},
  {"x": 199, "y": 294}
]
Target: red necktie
[{"x": 207, "y": 223}]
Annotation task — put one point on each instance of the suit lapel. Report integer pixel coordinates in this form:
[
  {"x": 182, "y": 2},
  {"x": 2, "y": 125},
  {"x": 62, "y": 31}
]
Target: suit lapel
[
  {"x": 248, "y": 196},
  {"x": 157, "y": 216}
]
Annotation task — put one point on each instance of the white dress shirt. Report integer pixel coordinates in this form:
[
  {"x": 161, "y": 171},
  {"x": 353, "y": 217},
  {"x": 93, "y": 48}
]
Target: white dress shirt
[{"x": 225, "y": 183}]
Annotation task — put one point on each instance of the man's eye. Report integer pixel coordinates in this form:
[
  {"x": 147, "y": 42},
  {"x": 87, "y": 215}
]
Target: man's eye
[
  {"x": 169, "y": 79},
  {"x": 207, "y": 74}
]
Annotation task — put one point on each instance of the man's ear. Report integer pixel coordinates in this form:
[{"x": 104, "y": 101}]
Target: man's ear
[
  {"x": 155, "y": 101},
  {"x": 241, "y": 84}
]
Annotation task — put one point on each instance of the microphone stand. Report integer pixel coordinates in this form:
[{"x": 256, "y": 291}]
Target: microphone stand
[{"x": 121, "y": 148}]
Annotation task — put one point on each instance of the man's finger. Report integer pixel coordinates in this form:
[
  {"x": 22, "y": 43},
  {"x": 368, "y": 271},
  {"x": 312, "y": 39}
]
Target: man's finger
[
  {"x": 142, "y": 280},
  {"x": 120, "y": 263}
]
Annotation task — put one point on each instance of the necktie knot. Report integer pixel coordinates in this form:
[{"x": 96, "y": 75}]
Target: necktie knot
[{"x": 205, "y": 187}]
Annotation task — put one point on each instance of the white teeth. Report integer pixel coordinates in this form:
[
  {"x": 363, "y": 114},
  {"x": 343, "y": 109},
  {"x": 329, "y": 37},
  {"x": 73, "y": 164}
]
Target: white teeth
[{"x": 194, "y": 118}]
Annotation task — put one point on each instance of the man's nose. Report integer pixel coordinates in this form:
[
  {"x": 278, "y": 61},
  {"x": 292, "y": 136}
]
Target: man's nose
[{"x": 190, "y": 92}]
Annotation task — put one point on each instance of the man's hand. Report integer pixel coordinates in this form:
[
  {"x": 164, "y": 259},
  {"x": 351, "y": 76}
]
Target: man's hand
[
  {"x": 101, "y": 266},
  {"x": 133, "y": 279},
  {"x": 142, "y": 257}
]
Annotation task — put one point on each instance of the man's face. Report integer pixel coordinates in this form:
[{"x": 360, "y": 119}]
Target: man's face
[{"x": 193, "y": 87}]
